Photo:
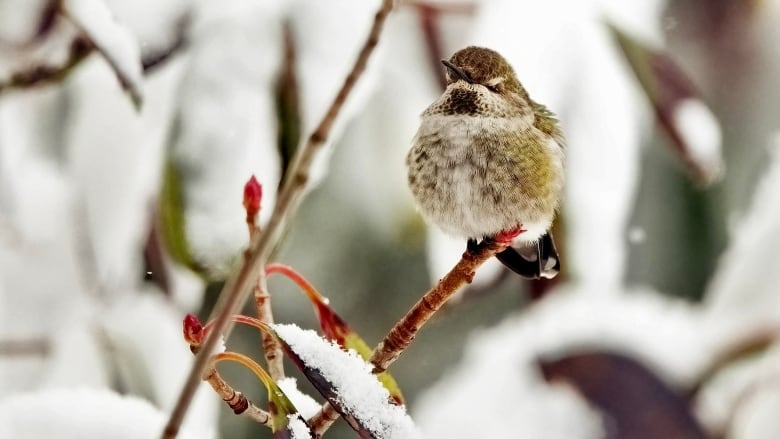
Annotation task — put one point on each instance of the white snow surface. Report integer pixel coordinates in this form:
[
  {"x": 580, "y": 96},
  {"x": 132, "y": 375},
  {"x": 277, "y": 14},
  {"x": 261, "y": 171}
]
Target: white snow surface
[
  {"x": 143, "y": 334},
  {"x": 152, "y": 22},
  {"x": 359, "y": 391},
  {"x": 306, "y": 405},
  {"x": 298, "y": 428},
  {"x": 115, "y": 158},
  {"x": 84, "y": 413},
  {"x": 19, "y": 19}
]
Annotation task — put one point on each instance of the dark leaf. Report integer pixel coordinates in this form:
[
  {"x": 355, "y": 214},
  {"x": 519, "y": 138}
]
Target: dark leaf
[{"x": 635, "y": 402}]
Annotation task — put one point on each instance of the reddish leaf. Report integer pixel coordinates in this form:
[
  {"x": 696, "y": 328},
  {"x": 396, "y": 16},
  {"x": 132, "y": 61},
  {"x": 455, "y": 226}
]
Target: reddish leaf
[{"x": 637, "y": 403}]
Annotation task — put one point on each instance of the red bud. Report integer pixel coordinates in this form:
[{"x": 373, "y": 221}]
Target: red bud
[
  {"x": 253, "y": 195},
  {"x": 193, "y": 330}
]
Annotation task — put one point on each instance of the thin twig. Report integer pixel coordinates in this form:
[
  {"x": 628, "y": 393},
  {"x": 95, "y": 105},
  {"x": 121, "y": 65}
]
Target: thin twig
[
  {"x": 323, "y": 419},
  {"x": 235, "y": 399},
  {"x": 405, "y": 330},
  {"x": 38, "y": 75},
  {"x": 271, "y": 346},
  {"x": 235, "y": 291}
]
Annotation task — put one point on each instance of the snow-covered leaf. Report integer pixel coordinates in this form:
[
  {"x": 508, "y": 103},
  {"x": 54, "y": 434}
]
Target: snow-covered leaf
[
  {"x": 305, "y": 404},
  {"x": 113, "y": 40},
  {"x": 226, "y": 126},
  {"x": 346, "y": 381},
  {"x": 688, "y": 122},
  {"x": 298, "y": 429},
  {"x": 501, "y": 364},
  {"x": 336, "y": 328}
]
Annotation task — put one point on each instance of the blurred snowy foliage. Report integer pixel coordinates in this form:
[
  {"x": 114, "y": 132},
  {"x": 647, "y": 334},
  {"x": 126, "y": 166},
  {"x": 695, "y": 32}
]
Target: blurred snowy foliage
[
  {"x": 91, "y": 293},
  {"x": 84, "y": 413}
]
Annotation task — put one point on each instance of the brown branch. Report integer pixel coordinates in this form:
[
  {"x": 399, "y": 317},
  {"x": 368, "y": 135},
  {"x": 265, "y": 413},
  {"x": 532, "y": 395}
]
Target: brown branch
[
  {"x": 323, "y": 419},
  {"x": 235, "y": 291},
  {"x": 405, "y": 330},
  {"x": 234, "y": 399},
  {"x": 271, "y": 346},
  {"x": 80, "y": 48}
]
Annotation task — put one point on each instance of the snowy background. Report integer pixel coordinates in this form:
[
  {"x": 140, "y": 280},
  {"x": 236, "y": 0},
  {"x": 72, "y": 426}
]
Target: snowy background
[{"x": 128, "y": 129}]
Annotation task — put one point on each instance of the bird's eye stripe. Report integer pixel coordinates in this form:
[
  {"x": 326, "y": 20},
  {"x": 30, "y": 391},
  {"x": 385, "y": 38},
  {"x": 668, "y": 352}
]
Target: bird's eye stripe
[{"x": 492, "y": 83}]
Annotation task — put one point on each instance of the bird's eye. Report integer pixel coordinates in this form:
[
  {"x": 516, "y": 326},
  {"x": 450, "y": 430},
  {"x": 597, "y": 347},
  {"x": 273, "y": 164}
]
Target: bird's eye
[{"x": 495, "y": 84}]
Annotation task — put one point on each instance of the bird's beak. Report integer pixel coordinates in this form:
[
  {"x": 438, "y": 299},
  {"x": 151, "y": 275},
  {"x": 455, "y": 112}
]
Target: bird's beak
[{"x": 457, "y": 71}]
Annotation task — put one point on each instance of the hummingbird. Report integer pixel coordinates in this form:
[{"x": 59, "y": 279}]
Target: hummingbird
[{"x": 487, "y": 162}]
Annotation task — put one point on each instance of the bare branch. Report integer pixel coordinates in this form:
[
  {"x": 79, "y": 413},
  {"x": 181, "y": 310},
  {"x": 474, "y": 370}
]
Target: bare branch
[
  {"x": 405, "y": 330},
  {"x": 323, "y": 419},
  {"x": 236, "y": 400},
  {"x": 236, "y": 289},
  {"x": 271, "y": 346},
  {"x": 80, "y": 48}
]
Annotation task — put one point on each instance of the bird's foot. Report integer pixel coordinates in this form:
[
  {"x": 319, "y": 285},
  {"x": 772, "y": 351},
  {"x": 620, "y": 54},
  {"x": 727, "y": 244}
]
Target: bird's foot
[{"x": 506, "y": 236}]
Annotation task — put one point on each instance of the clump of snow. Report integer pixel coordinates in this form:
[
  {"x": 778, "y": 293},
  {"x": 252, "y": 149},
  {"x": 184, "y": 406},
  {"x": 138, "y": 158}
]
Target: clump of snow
[
  {"x": 358, "y": 390},
  {"x": 114, "y": 41},
  {"x": 153, "y": 22},
  {"x": 298, "y": 428},
  {"x": 19, "y": 20},
  {"x": 744, "y": 279},
  {"x": 499, "y": 380},
  {"x": 84, "y": 413},
  {"x": 226, "y": 128},
  {"x": 305, "y": 404},
  {"x": 701, "y": 134}
]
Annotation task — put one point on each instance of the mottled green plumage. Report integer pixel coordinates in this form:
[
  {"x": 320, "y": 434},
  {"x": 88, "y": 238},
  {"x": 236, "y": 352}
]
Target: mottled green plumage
[{"x": 486, "y": 158}]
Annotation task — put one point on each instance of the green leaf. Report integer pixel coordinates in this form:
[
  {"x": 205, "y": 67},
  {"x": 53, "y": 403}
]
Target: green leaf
[{"x": 172, "y": 218}]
